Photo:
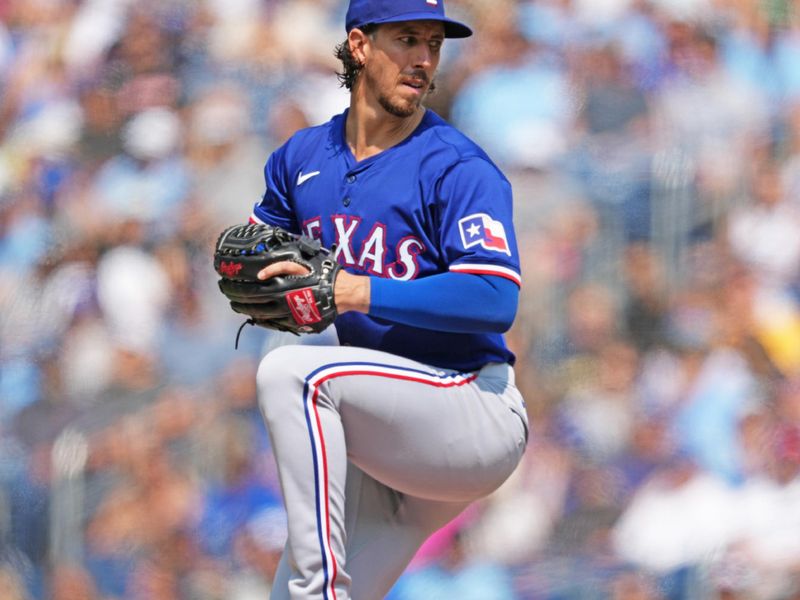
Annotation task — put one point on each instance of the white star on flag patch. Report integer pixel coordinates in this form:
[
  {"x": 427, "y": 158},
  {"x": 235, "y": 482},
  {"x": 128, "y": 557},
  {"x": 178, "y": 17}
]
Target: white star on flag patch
[{"x": 481, "y": 229}]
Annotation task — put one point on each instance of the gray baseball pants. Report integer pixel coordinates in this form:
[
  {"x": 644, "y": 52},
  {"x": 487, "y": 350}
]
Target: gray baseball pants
[{"x": 376, "y": 452}]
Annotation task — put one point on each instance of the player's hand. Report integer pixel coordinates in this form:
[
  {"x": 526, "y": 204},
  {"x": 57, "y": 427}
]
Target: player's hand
[
  {"x": 351, "y": 292},
  {"x": 285, "y": 267},
  {"x": 285, "y": 297}
]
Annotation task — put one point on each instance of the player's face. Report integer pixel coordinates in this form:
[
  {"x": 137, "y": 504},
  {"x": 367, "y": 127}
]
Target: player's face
[{"x": 400, "y": 61}]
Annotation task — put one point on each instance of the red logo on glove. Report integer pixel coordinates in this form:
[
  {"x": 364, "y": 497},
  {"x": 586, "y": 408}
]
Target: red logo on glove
[
  {"x": 230, "y": 269},
  {"x": 303, "y": 306}
]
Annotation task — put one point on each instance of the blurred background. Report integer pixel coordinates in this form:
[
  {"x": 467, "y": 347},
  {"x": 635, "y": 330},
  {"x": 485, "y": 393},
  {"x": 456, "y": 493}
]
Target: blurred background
[{"x": 654, "y": 148}]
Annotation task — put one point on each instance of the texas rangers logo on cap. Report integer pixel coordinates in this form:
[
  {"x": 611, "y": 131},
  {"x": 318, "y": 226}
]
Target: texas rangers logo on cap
[{"x": 481, "y": 229}]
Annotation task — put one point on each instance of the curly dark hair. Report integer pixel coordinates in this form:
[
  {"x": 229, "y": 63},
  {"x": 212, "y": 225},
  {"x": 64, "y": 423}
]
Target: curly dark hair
[{"x": 350, "y": 66}]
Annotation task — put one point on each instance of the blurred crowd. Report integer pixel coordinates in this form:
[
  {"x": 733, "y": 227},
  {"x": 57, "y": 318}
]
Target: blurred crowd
[{"x": 654, "y": 149}]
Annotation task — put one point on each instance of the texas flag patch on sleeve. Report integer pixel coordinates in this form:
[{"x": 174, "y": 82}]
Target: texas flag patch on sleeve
[{"x": 481, "y": 229}]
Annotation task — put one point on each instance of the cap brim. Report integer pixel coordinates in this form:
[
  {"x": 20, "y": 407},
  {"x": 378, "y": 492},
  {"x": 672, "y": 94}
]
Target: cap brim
[{"x": 452, "y": 28}]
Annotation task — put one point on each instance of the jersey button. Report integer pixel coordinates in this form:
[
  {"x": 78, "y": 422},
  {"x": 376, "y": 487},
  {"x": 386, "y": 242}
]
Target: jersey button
[
  {"x": 346, "y": 201},
  {"x": 351, "y": 178}
]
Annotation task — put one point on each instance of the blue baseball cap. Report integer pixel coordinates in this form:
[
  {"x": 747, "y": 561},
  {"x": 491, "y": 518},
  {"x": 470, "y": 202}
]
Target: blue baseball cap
[{"x": 364, "y": 12}]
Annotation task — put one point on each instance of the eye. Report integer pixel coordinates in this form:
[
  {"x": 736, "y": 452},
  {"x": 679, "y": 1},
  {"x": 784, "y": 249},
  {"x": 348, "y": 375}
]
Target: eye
[
  {"x": 435, "y": 45},
  {"x": 408, "y": 40}
]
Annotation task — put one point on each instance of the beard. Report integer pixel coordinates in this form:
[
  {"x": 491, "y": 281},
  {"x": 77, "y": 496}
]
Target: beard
[{"x": 400, "y": 107}]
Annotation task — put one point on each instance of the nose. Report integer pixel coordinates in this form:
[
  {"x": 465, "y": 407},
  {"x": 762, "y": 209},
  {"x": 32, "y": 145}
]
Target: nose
[{"x": 423, "y": 57}]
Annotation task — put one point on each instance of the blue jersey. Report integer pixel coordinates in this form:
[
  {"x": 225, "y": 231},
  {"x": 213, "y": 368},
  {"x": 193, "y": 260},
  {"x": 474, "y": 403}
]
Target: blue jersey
[{"x": 433, "y": 203}]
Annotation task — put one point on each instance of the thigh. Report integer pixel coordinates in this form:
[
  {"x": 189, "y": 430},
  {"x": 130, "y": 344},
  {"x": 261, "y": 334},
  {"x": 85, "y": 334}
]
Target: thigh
[{"x": 423, "y": 431}]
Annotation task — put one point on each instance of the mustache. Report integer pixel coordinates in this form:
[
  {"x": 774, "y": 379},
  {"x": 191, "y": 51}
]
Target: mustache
[{"x": 418, "y": 74}]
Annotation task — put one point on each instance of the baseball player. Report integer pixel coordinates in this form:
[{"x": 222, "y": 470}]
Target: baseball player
[{"x": 386, "y": 437}]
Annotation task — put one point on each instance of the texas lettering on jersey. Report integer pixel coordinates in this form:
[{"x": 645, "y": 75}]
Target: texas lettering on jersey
[{"x": 371, "y": 256}]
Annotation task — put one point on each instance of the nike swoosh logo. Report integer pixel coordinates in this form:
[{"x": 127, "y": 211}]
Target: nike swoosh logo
[{"x": 303, "y": 178}]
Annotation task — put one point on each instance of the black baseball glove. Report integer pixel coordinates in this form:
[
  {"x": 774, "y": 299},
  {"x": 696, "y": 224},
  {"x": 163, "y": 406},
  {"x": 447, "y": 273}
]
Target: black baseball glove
[{"x": 296, "y": 303}]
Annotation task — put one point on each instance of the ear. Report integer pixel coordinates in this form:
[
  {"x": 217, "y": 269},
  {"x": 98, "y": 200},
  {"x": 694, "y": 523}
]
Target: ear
[{"x": 359, "y": 44}]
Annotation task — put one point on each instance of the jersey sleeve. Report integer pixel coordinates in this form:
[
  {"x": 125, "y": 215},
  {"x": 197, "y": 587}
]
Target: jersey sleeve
[
  {"x": 437, "y": 302},
  {"x": 477, "y": 232},
  {"x": 275, "y": 206}
]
